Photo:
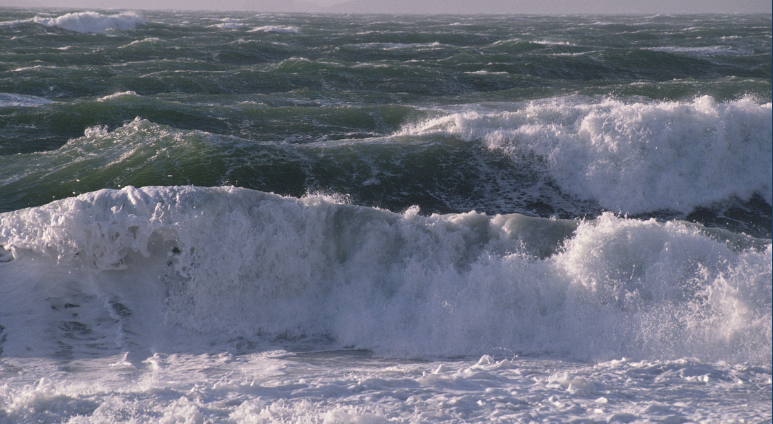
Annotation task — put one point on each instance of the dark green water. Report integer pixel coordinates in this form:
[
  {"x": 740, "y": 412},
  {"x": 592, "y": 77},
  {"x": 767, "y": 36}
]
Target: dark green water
[{"x": 496, "y": 114}]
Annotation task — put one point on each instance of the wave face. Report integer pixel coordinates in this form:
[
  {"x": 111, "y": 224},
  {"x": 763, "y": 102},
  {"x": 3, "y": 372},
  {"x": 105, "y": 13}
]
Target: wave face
[
  {"x": 566, "y": 157},
  {"x": 507, "y": 140},
  {"x": 561, "y": 116},
  {"x": 632, "y": 157},
  {"x": 234, "y": 263}
]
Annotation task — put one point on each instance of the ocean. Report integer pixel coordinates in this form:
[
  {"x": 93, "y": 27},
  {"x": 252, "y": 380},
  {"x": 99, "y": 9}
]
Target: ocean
[{"x": 296, "y": 218}]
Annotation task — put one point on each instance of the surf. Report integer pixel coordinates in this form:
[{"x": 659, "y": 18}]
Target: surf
[{"x": 230, "y": 262}]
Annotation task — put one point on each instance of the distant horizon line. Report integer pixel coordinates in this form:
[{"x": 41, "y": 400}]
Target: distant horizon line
[{"x": 329, "y": 12}]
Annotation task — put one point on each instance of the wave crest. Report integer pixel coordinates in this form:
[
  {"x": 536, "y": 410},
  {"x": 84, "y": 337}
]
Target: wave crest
[
  {"x": 277, "y": 29},
  {"x": 632, "y": 157},
  {"x": 88, "y": 22},
  {"x": 244, "y": 263}
]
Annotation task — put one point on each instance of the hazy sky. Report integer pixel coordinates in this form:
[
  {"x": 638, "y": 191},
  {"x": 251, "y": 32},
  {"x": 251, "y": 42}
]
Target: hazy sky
[{"x": 422, "y": 6}]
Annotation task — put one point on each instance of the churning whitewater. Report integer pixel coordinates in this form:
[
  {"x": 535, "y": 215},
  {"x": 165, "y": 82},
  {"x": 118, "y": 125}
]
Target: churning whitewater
[
  {"x": 230, "y": 217},
  {"x": 239, "y": 262}
]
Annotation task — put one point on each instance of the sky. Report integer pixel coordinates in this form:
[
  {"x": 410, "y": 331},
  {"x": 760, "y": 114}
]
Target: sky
[{"x": 420, "y": 6}]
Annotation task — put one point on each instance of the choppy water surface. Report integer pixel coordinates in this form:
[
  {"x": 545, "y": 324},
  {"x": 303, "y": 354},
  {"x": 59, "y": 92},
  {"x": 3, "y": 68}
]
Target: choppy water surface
[{"x": 271, "y": 218}]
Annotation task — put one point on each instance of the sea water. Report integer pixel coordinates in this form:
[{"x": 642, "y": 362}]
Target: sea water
[{"x": 231, "y": 217}]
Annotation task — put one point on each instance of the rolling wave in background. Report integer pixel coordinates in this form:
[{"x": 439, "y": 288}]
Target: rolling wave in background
[
  {"x": 632, "y": 157},
  {"x": 560, "y": 157},
  {"x": 86, "y": 22}
]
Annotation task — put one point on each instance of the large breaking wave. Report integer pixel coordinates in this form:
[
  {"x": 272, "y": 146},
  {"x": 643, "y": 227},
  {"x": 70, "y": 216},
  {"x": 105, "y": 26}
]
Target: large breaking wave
[
  {"x": 631, "y": 156},
  {"x": 90, "y": 22},
  {"x": 133, "y": 269}
]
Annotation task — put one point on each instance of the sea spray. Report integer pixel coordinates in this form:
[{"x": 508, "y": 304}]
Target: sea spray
[
  {"x": 244, "y": 263},
  {"x": 89, "y": 22},
  {"x": 630, "y": 157}
]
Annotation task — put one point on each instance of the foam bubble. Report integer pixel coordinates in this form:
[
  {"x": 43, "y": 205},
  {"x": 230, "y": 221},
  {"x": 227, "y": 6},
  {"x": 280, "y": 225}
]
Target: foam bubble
[
  {"x": 632, "y": 157},
  {"x": 86, "y": 22}
]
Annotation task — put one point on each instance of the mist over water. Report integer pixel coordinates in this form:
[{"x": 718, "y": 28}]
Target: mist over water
[{"x": 318, "y": 218}]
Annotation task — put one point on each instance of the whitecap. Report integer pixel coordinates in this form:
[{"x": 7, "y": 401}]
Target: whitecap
[
  {"x": 230, "y": 25},
  {"x": 702, "y": 51},
  {"x": 277, "y": 29},
  {"x": 399, "y": 46},
  {"x": 144, "y": 40},
  {"x": 633, "y": 157},
  {"x": 17, "y": 22},
  {"x": 484, "y": 72},
  {"x": 117, "y": 95},
  {"x": 554, "y": 43},
  {"x": 211, "y": 261},
  {"x": 89, "y": 22},
  {"x": 20, "y": 100}
]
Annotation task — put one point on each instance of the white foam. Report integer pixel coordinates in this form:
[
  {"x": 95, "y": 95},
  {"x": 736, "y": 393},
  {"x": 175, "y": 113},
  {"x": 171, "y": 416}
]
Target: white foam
[
  {"x": 20, "y": 100},
  {"x": 507, "y": 41},
  {"x": 117, "y": 95},
  {"x": 228, "y": 262},
  {"x": 16, "y": 22},
  {"x": 336, "y": 387},
  {"x": 87, "y": 22},
  {"x": 703, "y": 51},
  {"x": 631, "y": 156},
  {"x": 400, "y": 46},
  {"x": 230, "y": 25},
  {"x": 29, "y": 68},
  {"x": 554, "y": 43},
  {"x": 484, "y": 72},
  {"x": 144, "y": 40},
  {"x": 277, "y": 29}
]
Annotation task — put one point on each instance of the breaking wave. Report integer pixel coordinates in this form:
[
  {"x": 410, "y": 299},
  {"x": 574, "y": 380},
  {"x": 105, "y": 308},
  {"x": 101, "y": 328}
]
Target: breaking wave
[
  {"x": 141, "y": 265},
  {"x": 277, "y": 29},
  {"x": 631, "y": 157},
  {"x": 88, "y": 22}
]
